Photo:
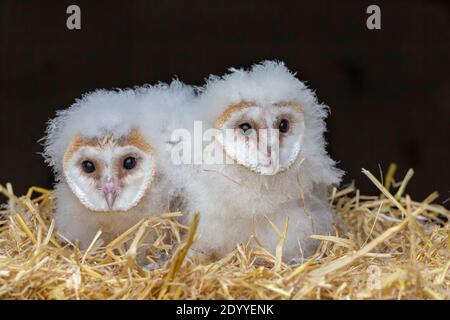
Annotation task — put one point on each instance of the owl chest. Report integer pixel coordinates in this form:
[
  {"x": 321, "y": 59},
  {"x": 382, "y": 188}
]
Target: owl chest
[
  {"x": 113, "y": 224},
  {"x": 256, "y": 200}
]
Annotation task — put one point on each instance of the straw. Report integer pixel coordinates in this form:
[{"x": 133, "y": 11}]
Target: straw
[{"x": 384, "y": 246}]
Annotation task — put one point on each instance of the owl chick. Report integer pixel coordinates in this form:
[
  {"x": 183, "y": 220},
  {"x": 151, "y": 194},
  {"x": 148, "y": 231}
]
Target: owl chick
[
  {"x": 269, "y": 126},
  {"x": 108, "y": 173}
]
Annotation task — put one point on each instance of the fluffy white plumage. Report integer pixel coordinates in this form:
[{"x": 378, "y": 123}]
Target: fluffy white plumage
[
  {"x": 106, "y": 127},
  {"x": 235, "y": 200}
]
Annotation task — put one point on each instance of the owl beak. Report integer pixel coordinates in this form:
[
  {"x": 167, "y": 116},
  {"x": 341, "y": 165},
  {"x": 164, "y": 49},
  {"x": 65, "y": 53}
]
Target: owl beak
[
  {"x": 110, "y": 199},
  {"x": 110, "y": 192}
]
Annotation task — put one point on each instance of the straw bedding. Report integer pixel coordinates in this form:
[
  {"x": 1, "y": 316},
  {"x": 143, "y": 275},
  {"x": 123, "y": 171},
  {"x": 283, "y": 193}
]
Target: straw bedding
[{"x": 385, "y": 246}]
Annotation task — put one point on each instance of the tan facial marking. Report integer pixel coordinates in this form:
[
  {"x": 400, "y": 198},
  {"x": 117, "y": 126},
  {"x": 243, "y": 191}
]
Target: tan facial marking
[
  {"x": 292, "y": 104},
  {"x": 77, "y": 143},
  {"x": 245, "y": 104},
  {"x": 134, "y": 138},
  {"x": 229, "y": 111}
]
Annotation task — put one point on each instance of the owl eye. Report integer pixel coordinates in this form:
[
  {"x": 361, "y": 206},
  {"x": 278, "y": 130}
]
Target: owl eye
[
  {"x": 129, "y": 163},
  {"x": 245, "y": 128},
  {"x": 88, "y": 166},
  {"x": 284, "y": 126}
]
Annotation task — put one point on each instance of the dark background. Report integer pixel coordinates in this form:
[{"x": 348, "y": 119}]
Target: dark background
[{"x": 389, "y": 89}]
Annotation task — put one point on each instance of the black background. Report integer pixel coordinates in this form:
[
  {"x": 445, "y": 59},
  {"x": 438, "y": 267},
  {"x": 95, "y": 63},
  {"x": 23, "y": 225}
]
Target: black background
[
  {"x": 352, "y": 309},
  {"x": 389, "y": 89}
]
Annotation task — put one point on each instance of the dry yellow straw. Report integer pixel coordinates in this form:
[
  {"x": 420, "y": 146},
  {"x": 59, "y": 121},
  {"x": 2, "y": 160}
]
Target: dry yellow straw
[{"x": 385, "y": 246}]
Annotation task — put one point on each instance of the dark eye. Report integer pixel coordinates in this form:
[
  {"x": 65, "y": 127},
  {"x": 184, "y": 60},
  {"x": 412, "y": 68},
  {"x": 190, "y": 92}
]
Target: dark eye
[
  {"x": 245, "y": 127},
  {"x": 129, "y": 163},
  {"x": 88, "y": 166},
  {"x": 284, "y": 126}
]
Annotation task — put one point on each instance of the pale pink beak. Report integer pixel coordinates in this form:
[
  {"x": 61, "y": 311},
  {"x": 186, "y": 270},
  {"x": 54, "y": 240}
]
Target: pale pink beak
[{"x": 110, "y": 189}]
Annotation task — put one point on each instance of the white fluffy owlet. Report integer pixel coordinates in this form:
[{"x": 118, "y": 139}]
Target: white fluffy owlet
[
  {"x": 269, "y": 127},
  {"x": 108, "y": 173}
]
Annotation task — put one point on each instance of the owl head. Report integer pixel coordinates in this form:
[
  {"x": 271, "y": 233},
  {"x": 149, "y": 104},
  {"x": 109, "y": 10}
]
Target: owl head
[
  {"x": 97, "y": 147},
  {"x": 107, "y": 173},
  {"x": 264, "y": 136},
  {"x": 273, "y": 119}
]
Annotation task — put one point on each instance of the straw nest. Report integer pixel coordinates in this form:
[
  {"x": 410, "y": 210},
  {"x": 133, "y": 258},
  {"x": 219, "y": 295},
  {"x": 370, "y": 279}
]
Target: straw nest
[{"x": 385, "y": 246}]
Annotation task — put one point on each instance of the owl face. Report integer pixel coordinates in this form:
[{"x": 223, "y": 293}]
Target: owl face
[
  {"x": 264, "y": 137},
  {"x": 109, "y": 174}
]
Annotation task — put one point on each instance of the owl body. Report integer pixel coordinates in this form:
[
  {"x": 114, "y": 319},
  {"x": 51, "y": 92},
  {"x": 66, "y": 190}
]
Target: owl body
[
  {"x": 104, "y": 152},
  {"x": 75, "y": 222},
  {"x": 288, "y": 179},
  {"x": 243, "y": 207}
]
